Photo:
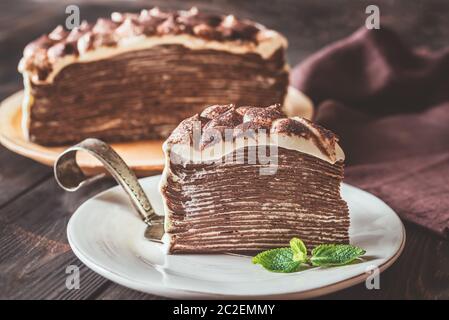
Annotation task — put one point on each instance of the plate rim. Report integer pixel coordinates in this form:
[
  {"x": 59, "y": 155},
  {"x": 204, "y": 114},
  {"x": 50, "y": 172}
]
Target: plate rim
[{"x": 160, "y": 290}]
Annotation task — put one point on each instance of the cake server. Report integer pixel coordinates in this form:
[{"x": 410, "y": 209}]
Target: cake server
[{"x": 70, "y": 177}]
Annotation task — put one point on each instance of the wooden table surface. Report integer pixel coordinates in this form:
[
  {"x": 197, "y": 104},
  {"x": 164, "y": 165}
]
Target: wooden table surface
[{"x": 34, "y": 212}]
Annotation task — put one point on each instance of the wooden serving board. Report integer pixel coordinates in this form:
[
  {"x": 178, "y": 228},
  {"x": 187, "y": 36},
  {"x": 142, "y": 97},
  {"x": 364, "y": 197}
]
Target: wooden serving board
[{"x": 144, "y": 157}]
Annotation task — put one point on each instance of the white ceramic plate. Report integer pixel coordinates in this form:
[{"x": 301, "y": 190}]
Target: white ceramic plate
[{"x": 107, "y": 236}]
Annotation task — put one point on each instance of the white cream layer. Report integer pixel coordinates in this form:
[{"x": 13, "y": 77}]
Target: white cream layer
[
  {"x": 282, "y": 140},
  {"x": 269, "y": 42}
]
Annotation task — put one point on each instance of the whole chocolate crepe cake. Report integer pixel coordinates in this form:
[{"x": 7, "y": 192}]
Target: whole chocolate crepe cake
[
  {"x": 137, "y": 75},
  {"x": 241, "y": 179}
]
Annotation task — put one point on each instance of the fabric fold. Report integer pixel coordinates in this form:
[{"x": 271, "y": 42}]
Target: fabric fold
[{"x": 390, "y": 106}]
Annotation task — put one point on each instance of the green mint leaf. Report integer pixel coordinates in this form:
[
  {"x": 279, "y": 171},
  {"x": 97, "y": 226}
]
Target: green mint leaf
[
  {"x": 327, "y": 255},
  {"x": 277, "y": 260},
  {"x": 299, "y": 250}
]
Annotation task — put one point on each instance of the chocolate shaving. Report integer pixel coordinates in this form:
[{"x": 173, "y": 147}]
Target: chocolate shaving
[{"x": 243, "y": 120}]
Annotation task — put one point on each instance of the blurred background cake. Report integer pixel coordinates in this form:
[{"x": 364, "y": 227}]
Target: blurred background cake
[{"x": 135, "y": 76}]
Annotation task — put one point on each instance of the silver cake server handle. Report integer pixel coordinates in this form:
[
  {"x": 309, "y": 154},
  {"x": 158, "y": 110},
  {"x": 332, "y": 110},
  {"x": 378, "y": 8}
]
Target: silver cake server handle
[{"x": 70, "y": 177}]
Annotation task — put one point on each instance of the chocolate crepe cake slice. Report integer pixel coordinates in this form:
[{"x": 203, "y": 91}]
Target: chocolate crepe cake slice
[
  {"x": 136, "y": 76},
  {"x": 249, "y": 179}
]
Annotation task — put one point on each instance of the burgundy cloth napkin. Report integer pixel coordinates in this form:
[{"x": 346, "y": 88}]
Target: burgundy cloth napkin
[{"x": 390, "y": 107}]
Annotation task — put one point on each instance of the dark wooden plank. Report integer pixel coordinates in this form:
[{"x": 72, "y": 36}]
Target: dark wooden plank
[
  {"x": 34, "y": 252},
  {"x": 18, "y": 175},
  {"x": 34, "y": 211}
]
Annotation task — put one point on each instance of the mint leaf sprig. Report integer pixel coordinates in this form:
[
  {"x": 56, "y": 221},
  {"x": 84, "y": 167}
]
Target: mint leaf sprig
[
  {"x": 329, "y": 255},
  {"x": 287, "y": 260}
]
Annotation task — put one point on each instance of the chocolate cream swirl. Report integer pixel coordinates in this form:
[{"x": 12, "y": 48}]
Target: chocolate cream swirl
[
  {"x": 266, "y": 125},
  {"x": 122, "y": 32}
]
